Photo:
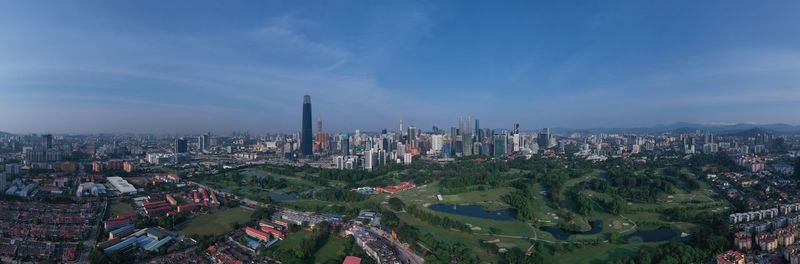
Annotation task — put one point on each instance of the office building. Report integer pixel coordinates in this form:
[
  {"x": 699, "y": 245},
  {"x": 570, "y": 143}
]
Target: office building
[
  {"x": 370, "y": 159},
  {"x": 345, "y": 144},
  {"x": 500, "y": 142},
  {"x": 204, "y": 142},
  {"x": 478, "y": 133},
  {"x": 544, "y": 139},
  {"x": 306, "y": 137},
  {"x": 181, "y": 146},
  {"x": 47, "y": 141},
  {"x": 412, "y": 136}
]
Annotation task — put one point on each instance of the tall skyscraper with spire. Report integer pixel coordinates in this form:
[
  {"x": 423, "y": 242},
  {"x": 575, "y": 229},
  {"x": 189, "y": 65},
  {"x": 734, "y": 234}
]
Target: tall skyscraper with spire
[{"x": 306, "y": 138}]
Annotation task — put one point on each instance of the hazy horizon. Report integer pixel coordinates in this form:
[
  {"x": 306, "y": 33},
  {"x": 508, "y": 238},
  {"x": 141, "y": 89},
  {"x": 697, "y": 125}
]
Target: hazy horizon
[
  {"x": 183, "y": 67},
  {"x": 389, "y": 128}
]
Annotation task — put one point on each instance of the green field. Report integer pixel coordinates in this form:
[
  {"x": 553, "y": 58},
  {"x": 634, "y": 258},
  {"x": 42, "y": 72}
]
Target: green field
[
  {"x": 120, "y": 208},
  {"x": 593, "y": 248},
  {"x": 333, "y": 250},
  {"x": 216, "y": 223},
  {"x": 520, "y": 234},
  {"x": 244, "y": 183},
  {"x": 488, "y": 199}
]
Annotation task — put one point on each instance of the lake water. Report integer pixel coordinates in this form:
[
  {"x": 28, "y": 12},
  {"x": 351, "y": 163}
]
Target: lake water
[
  {"x": 656, "y": 235},
  {"x": 473, "y": 211},
  {"x": 597, "y": 227}
]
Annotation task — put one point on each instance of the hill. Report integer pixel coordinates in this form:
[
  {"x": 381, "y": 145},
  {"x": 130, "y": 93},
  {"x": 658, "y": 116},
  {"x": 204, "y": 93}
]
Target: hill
[{"x": 685, "y": 127}]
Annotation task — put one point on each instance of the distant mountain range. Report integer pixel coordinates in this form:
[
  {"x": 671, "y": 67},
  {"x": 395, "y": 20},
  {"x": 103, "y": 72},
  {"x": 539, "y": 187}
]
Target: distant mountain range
[
  {"x": 684, "y": 127},
  {"x": 4, "y": 133}
]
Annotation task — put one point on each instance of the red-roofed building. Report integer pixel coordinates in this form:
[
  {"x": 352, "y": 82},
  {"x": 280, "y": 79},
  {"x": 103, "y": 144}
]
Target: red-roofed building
[
  {"x": 155, "y": 204},
  {"x": 227, "y": 259},
  {"x": 112, "y": 224},
  {"x": 274, "y": 232},
  {"x": 188, "y": 207},
  {"x": 730, "y": 257},
  {"x": 396, "y": 188},
  {"x": 129, "y": 167},
  {"x": 98, "y": 166},
  {"x": 263, "y": 236},
  {"x": 351, "y": 260},
  {"x": 157, "y": 211},
  {"x": 171, "y": 200}
]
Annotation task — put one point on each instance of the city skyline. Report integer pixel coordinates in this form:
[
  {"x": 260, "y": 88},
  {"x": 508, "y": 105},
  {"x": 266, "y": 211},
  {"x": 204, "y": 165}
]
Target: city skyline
[{"x": 238, "y": 67}]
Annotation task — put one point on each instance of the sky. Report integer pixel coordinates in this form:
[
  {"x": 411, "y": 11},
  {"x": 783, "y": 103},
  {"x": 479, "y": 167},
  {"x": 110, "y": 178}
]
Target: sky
[{"x": 221, "y": 66}]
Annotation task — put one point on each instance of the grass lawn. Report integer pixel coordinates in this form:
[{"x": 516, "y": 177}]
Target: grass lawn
[
  {"x": 117, "y": 209},
  {"x": 216, "y": 223},
  {"x": 488, "y": 199},
  {"x": 332, "y": 250}
]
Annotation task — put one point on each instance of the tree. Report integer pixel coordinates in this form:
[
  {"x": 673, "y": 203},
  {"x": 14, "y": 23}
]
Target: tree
[
  {"x": 98, "y": 257},
  {"x": 617, "y": 205},
  {"x": 396, "y": 204}
]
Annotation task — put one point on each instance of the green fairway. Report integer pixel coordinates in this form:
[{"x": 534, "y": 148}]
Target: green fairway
[
  {"x": 117, "y": 209},
  {"x": 488, "y": 199},
  {"x": 216, "y": 223}
]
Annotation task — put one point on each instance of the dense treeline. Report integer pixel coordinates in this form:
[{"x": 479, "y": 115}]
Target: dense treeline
[
  {"x": 396, "y": 204},
  {"x": 468, "y": 173},
  {"x": 552, "y": 174},
  {"x": 583, "y": 203},
  {"x": 641, "y": 187},
  {"x": 521, "y": 200},
  {"x": 339, "y": 195}
]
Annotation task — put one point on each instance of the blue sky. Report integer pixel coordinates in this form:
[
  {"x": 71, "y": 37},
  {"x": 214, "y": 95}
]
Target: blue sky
[{"x": 192, "y": 66}]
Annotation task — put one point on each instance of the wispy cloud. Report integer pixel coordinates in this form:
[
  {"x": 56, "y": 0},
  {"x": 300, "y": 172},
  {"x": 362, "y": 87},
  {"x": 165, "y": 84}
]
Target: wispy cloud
[{"x": 188, "y": 82}]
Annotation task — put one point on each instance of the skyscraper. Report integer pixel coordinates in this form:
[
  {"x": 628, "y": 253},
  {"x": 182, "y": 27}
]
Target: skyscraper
[
  {"x": 180, "y": 145},
  {"x": 205, "y": 142},
  {"x": 47, "y": 141},
  {"x": 500, "y": 142},
  {"x": 544, "y": 139},
  {"x": 412, "y": 136},
  {"x": 478, "y": 134},
  {"x": 345, "y": 144},
  {"x": 306, "y": 137}
]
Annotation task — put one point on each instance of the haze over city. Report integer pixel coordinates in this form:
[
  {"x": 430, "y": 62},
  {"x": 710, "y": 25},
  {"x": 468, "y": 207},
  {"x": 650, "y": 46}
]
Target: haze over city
[
  {"x": 399, "y": 132},
  {"x": 190, "y": 67}
]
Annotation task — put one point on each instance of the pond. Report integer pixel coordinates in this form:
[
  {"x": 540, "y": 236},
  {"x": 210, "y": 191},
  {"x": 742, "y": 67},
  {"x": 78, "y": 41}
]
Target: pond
[
  {"x": 473, "y": 211},
  {"x": 560, "y": 234},
  {"x": 656, "y": 235}
]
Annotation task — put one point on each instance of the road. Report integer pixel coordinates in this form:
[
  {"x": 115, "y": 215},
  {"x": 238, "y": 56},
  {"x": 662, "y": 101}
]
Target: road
[
  {"x": 88, "y": 245},
  {"x": 405, "y": 253}
]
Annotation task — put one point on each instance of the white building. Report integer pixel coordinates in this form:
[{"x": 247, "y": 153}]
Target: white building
[
  {"x": 121, "y": 185},
  {"x": 437, "y": 142},
  {"x": 369, "y": 159},
  {"x": 407, "y": 158}
]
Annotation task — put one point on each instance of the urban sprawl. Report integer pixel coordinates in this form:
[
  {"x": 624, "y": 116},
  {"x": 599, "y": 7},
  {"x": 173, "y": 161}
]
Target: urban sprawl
[{"x": 458, "y": 194}]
